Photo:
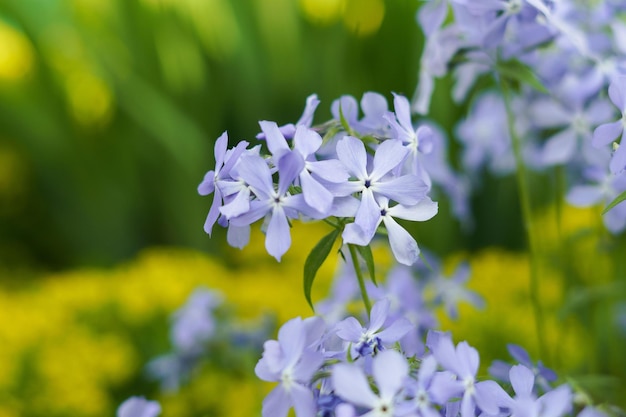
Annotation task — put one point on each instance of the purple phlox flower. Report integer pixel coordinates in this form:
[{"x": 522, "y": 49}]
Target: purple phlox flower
[
  {"x": 590, "y": 411},
  {"x": 431, "y": 15},
  {"x": 406, "y": 297},
  {"x": 466, "y": 73},
  {"x": 194, "y": 323},
  {"x": 503, "y": 13},
  {"x": 216, "y": 180},
  {"x": 291, "y": 362},
  {"x": 276, "y": 205},
  {"x": 455, "y": 187},
  {"x": 424, "y": 389},
  {"x": 485, "y": 136},
  {"x": 609, "y": 132},
  {"x": 604, "y": 188},
  {"x": 418, "y": 141},
  {"x": 366, "y": 341},
  {"x": 289, "y": 130},
  {"x": 543, "y": 376},
  {"x": 374, "y": 107},
  {"x": 313, "y": 173},
  {"x": 463, "y": 362},
  {"x": 377, "y": 181},
  {"x": 171, "y": 370},
  {"x": 403, "y": 245},
  {"x": 344, "y": 289},
  {"x": 574, "y": 113},
  {"x": 441, "y": 46},
  {"x": 554, "y": 403},
  {"x": 139, "y": 407},
  {"x": 390, "y": 371},
  {"x": 450, "y": 291}
]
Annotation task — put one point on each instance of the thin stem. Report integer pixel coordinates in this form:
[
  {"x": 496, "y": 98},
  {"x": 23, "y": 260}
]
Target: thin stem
[
  {"x": 359, "y": 276},
  {"x": 524, "y": 192}
]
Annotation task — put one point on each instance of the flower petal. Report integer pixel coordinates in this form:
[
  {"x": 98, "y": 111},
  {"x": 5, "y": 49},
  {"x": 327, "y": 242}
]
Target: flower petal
[{"x": 351, "y": 385}]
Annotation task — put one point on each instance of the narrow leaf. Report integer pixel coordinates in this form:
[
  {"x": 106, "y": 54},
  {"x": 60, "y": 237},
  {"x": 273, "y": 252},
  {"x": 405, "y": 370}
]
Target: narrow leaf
[
  {"x": 615, "y": 202},
  {"x": 366, "y": 254},
  {"x": 315, "y": 260},
  {"x": 517, "y": 71}
]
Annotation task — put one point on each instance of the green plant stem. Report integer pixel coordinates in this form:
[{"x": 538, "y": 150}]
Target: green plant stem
[
  {"x": 524, "y": 193},
  {"x": 359, "y": 276}
]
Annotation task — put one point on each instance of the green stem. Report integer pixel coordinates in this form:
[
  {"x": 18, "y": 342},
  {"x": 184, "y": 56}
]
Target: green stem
[
  {"x": 524, "y": 193},
  {"x": 359, "y": 276}
]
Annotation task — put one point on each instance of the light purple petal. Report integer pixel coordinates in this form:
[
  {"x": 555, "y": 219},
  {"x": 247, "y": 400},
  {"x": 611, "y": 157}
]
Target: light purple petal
[
  {"x": 278, "y": 238},
  {"x": 138, "y": 407},
  {"x": 303, "y": 401},
  {"x": 258, "y": 209},
  {"x": 407, "y": 189},
  {"x": 351, "y": 153},
  {"x": 522, "y": 379},
  {"x": 560, "y": 148},
  {"x": 306, "y": 141},
  {"x": 378, "y": 315},
  {"x": 390, "y": 369},
  {"x": 403, "y": 246},
  {"x": 468, "y": 405},
  {"x": 292, "y": 339},
  {"x": 277, "y": 403},
  {"x": 254, "y": 171},
  {"x": 617, "y": 92},
  {"x": 331, "y": 170},
  {"x": 207, "y": 185},
  {"x": 618, "y": 161},
  {"x": 238, "y": 205},
  {"x": 349, "y": 329},
  {"x": 607, "y": 133},
  {"x": 426, "y": 209},
  {"x": 315, "y": 194},
  {"x": 388, "y": 156},
  {"x": 351, "y": 385},
  {"x": 584, "y": 195},
  {"x": 238, "y": 236},
  {"x": 402, "y": 109},
  {"x": 309, "y": 111},
  {"x": 556, "y": 402},
  {"x": 354, "y": 234},
  {"x": 396, "y": 331},
  {"x": 547, "y": 113},
  {"x": 368, "y": 216},
  {"x": 490, "y": 397},
  {"x": 214, "y": 212},
  {"x": 349, "y": 108},
  {"x": 276, "y": 142},
  {"x": 431, "y": 15},
  {"x": 290, "y": 165},
  {"x": 468, "y": 359}
]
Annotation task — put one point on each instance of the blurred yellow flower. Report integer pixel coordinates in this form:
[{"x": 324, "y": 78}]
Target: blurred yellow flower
[{"x": 16, "y": 54}]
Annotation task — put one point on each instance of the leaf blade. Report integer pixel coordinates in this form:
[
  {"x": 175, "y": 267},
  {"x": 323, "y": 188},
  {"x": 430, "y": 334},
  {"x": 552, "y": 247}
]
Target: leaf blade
[
  {"x": 615, "y": 202},
  {"x": 314, "y": 261}
]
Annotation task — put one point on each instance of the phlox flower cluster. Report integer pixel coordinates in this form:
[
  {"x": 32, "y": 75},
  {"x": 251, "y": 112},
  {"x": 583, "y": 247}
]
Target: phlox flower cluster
[
  {"x": 200, "y": 330},
  {"x": 573, "y": 51},
  {"x": 364, "y": 173},
  {"x": 393, "y": 364}
]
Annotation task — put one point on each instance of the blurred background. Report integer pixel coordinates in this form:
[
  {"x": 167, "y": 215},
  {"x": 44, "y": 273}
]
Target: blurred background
[{"x": 108, "y": 114}]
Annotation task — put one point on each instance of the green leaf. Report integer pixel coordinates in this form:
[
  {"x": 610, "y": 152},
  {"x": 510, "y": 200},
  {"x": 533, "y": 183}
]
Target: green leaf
[
  {"x": 615, "y": 202},
  {"x": 315, "y": 260},
  {"x": 515, "y": 70},
  {"x": 366, "y": 254}
]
